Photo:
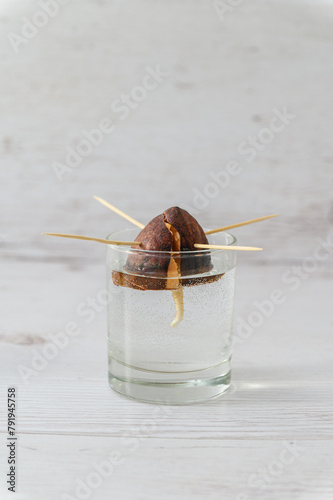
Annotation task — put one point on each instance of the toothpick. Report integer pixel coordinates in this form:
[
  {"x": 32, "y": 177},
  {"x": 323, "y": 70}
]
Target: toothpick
[
  {"x": 88, "y": 238},
  {"x": 119, "y": 212},
  {"x": 225, "y": 228},
  {"x": 225, "y": 247}
]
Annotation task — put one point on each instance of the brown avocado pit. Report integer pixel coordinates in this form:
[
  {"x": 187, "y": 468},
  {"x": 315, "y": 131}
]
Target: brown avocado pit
[{"x": 172, "y": 232}]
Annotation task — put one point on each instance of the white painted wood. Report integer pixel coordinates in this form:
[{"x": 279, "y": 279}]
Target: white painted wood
[
  {"x": 175, "y": 468},
  {"x": 225, "y": 78},
  {"x": 254, "y": 409},
  {"x": 293, "y": 340},
  {"x": 282, "y": 391}
]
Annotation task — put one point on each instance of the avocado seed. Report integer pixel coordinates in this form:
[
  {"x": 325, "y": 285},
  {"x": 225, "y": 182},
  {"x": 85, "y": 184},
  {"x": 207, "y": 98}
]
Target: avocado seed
[{"x": 167, "y": 234}]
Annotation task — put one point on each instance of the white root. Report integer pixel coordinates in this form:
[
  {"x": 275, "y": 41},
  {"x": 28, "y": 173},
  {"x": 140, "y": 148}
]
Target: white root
[{"x": 178, "y": 297}]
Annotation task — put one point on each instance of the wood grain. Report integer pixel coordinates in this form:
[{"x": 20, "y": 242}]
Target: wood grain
[
  {"x": 225, "y": 79},
  {"x": 188, "y": 469}
]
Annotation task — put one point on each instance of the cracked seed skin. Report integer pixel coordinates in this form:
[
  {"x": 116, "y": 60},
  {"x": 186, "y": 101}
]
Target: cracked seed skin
[{"x": 156, "y": 236}]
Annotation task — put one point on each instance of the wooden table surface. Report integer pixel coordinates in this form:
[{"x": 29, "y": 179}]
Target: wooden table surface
[{"x": 228, "y": 70}]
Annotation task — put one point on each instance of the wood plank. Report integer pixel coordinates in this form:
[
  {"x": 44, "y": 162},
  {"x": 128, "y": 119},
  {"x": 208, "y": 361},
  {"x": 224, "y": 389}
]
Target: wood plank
[
  {"x": 282, "y": 387},
  {"x": 281, "y": 347},
  {"x": 253, "y": 410},
  {"x": 190, "y": 469}
]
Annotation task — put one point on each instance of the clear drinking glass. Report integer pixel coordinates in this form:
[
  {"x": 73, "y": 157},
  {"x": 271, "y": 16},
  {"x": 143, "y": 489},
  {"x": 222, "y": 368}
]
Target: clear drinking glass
[{"x": 152, "y": 361}]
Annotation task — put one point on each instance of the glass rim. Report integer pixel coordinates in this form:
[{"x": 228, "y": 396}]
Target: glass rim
[{"x": 199, "y": 251}]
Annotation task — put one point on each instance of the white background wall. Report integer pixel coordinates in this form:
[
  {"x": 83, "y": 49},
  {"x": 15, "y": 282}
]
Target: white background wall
[{"x": 225, "y": 78}]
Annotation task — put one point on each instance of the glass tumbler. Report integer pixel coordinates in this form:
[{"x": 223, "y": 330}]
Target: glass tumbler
[{"x": 170, "y": 339}]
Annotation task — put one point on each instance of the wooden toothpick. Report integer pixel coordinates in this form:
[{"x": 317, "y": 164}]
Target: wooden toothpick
[
  {"x": 89, "y": 238},
  {"x": 225, "y": 228},
  {"x": 115, "y": 242},
  {"x": 226, "y": 247},
  {"x": 119, "y": 212}
]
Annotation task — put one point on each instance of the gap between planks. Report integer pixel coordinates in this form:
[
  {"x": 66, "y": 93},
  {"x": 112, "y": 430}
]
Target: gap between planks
[{"x": 280, "y": 438}]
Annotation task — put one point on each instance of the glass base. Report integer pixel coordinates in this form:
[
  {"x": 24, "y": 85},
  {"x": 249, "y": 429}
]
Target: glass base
[{"x": 169, "y": 387}]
